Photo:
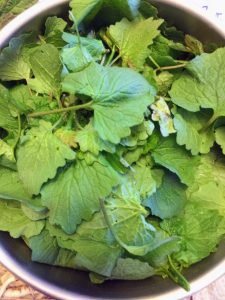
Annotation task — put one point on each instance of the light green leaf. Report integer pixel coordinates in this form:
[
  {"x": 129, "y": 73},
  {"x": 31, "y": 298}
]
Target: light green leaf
[
  {"x": 220, "y": 137},
  {"x": 76, "y": 58},
  {"x": 169, "y": 199},
  {"x": 47, "y": 67},
  {"x": 88, "y": 9},
  {"x": 54, "y": 27},
  {"x": 196, "y": 89},
  {"x": 159, "y": 255},
  {"x": 14, "y": 221},
  {"x": 75, "y": 194},
  {"x": 7, "y": 151},
  {"x": 164, "y": 82},
  {"x": 145, "y": 181},
  {"x": 54, "y": 24},
  {"x": 118, "y": 104},
  {"x": 139, "y": 134},
  {"x": 200, "y": 229},
  {"x": 12, "y": 64},
  {"x": 194, "y": 45},
  {"x": 132, "y": 269},
  {"x": 22, "y": 99},
  {"x": 7, "y": 121},
  {"x": 94, "y": 47},
  {"x": 68, "y": 137},
  {"x": 161, "y": 113},
  {"x": 209, "y": 187},
  {"x": 11, "y": 187},
  {"x": 191, "y": 132},
  {"x": 89, "y": 140},
  {"x": 133, "y": 38},
  {"x": 39, "y": 156},
  {"x": 176, "y": 159}
]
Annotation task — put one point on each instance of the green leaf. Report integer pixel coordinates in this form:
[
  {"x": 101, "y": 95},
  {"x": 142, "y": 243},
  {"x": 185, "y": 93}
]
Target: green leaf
[
  {"x": 209, "y": 181},
  {"x": 194, "y": 45},
  {"x": 53, "y": 24},
  {"x": 68, "y": 137},
  {"x": 139, "y": 134},
  {"x": 88, "y": 9},
  {"x": 7, "y": 121},
  {"x": 89, "y": 140},
  {"x": 169, "y": 199},
  {"x": 132, "y": 269},
  {"x": 145, "y": 181},
  {"x": 94, "y": 47},
  {"x": 220, "y": 137},
  {"x": 11, "y": 187},
  {"x": 200, "y": 228},
  {"x": 93, "y": 255},
  {"x": 159, "y": 255},
  {"x": 39, "y": 156},
  {"x": 165, "y": 52},
  {"x": 133, "y": 38},
  {"x": 117, "y": 104},
  {"x": 161, "y": 113},
  {"x": 16, "y": 223},
  {"x": 7, "y": 151},
  {"x": 147, "y": 10},
  {"x": 176, "y": 159},
  {"x": 164, "y": 82},
  {"x": 76, "y": 58},
  {"x": 54, "y": 27},
  {"x": 195, "y": 89},
  {"x": 75, "y": 194},
  {"x": 12, "y": 64},
  {"x": 47, "y": 67},
  {"x": 22, "y": 99},
  {"x": 191, "y": 132},
  {"x": 45, "y": 249}
]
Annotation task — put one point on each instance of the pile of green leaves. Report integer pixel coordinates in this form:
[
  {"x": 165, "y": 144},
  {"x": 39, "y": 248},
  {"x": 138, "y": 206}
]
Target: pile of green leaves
[{"x": 112, "y": 143}]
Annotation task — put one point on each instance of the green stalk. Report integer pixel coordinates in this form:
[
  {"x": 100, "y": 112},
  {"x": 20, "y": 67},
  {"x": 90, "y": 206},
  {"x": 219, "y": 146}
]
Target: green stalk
[
  {"x": 111, "y": 56},
  {"x": 171, "y": 67},
  {"x": 154, "y": 62},
  {"x": 60, "y": 110},
  {"x": 115, "y": 60},
  {"x": 176, "y": 276}
]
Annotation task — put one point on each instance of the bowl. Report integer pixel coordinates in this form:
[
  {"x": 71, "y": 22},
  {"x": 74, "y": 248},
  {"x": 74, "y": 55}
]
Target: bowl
[{"x": 68, "y": 284}]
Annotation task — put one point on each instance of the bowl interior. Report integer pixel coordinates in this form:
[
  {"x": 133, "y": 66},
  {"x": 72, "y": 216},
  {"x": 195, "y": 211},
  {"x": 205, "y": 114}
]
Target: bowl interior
[{"x": 69, "y": 284}]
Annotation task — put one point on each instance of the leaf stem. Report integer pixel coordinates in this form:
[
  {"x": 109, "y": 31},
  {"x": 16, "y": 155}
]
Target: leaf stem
[
  {"x": 58, "y": 122},
  {"x": 154, "y": 62},
  {"x": 111, "y": 55},
  {"x": 115, "y": 60},
  {"x": 171, "y": 67},
  {"x": 60, "y": 110},
  {"x": 176, "y": 276},
  {"x": 76, "y": 27}
]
